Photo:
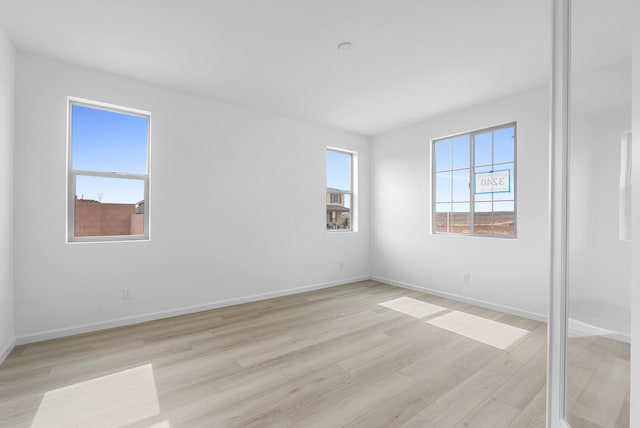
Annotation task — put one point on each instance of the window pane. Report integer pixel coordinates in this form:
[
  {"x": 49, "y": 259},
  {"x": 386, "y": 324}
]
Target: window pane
[
  {"x": 443, "y": 218},
  {"x": 443, "y": 187},
  {"x": 483, "y": 149},
  {"x": 452, "y": 218},
  {"x": 480, "y": 197},
  {"x": 460, "y": 218},
  {"x": 108, "y": 141},
  {"x": 443, "y": 155},
  {"x": 504, "y": 218},
  {"x": 502, "y": 196},
  {"x": 483, "y": 197},
  {"x": 347, "y": 201},
  {"x": 461, "y": 186},
  {"x": 483, "y": 218},
  {"x": 339, "y": 214},
  {"x": 109, "y": 206},
  {"x": 338, "y": 170},
  {"x": 503, "y": 144},
  {"x": 461, "y": 149}
]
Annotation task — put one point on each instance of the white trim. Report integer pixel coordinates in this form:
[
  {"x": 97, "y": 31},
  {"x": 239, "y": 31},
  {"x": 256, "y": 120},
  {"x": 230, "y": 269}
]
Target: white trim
[
  {"x": 107, "y": 106},
  {"x": 580, "y": 328},
  {"x": 5, "y": 353},
  {"x": 482, "y": 303},
  {"x": 120, "y": 322}
]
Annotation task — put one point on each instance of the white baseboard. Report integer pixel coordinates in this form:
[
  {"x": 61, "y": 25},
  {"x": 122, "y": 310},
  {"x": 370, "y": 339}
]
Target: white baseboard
[
  {"x": 471, "y": 301},
  {"x": 6, "y": 351},
  {"x": 103, "y": 325},
  {"x": 579, "y": 328}
]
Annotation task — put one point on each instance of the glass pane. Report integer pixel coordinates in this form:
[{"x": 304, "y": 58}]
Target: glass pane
[
  {"x": 338, "y": 217},
  {"x": 481, "y": 196},
  {"x": 504, "y": 218},
  {"x": 443, "y": 155},
  {"x": 443, "y": 187},
  {"x": 460, "y": 218},
  {"x": 107, "y": 141},
  {"x": 599, "y": 265},
  {"x": 443, "y": 218},
  {"x": 461, "y": 186},
  {"x": 347, "y": 201},
  {"x": 483, "y": 218},
  {"x": 461, "y": 155},
  {"x": 502, "y": 196},
  {"x": 483, "y": 149},
  {"x": 109, "y": 206},
  {"x": 503, "y": 144},
  {"x": 338, "y": 170}
]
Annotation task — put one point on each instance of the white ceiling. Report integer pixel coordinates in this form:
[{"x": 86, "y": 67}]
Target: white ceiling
[{"x": 411, "y": 59}]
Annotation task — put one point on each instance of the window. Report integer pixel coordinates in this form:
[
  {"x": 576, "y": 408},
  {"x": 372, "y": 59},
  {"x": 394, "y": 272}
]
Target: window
[
  {"x": 340, "y": 194},
  {"x": 108, "y": 172},
  {"x": 474, "y": 183}
]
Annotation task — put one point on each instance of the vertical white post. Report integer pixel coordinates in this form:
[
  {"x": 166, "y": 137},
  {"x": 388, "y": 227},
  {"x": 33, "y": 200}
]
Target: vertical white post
[
  {"x": 558, "y": 215},
  {"x": 634, "y": 399}
]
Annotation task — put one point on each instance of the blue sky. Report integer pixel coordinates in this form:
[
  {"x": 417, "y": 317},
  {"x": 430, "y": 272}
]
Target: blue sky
[
  {"x": 108, "y": 141},
  {"x": 338, "y": 170}
]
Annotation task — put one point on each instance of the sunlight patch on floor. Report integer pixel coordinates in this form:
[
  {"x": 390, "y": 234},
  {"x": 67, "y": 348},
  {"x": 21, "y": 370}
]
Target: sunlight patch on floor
[
  {"x": 117, "y": 399},
  {"x": 483, "y": 330},
  {"x": 413, "y": 307},
  {"x": 163, "y": 424}
]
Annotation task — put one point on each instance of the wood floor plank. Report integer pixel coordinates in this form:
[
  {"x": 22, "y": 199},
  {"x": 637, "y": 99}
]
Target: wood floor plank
[
  {"x": 522, "y": 387},
  {"x": 407, "y": 404},
  {"x": 533, "y": 415},
  {"x": 598, "y": 382},
  {"x": 491, "y": 413}
]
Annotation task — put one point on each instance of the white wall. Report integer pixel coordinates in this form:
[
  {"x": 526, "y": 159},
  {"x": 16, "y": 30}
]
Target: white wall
[
  {"x": 7, "y": 65},
  {"x": 237, "y": 208},
  {"x": 512, "y": 274}
]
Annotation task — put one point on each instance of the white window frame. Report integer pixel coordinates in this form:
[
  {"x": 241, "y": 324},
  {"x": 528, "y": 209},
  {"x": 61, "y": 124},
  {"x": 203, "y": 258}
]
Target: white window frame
[
  {"x": 472, "y": 167},
  {"x": 72, "y": 174},
  {"x": 353, "y": 170}
]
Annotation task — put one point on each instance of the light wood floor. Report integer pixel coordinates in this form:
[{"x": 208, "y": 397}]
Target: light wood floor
[
  {"x": 328, "y": 358},
  {"x": 597, "y": 382}
]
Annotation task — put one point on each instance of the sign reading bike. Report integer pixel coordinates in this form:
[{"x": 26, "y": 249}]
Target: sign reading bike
[{"x": 493, "y": 181}]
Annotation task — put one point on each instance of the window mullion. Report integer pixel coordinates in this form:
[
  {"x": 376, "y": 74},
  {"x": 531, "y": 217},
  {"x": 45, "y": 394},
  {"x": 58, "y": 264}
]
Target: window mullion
[
  {"x": 472, "y": 153},
  {"x": 451, "y": 204},
  {"x": 110, "y": 174},
  {"x": 493, "y": 168}
]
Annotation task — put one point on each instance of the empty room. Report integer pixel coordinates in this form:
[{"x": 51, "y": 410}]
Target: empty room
[{"x": 319, "y": 213}]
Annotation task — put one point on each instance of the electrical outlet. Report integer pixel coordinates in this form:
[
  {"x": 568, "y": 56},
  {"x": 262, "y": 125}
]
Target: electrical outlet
[
  {"x": 126, "y": 294},
  {"x": 467, "y": 278}
]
